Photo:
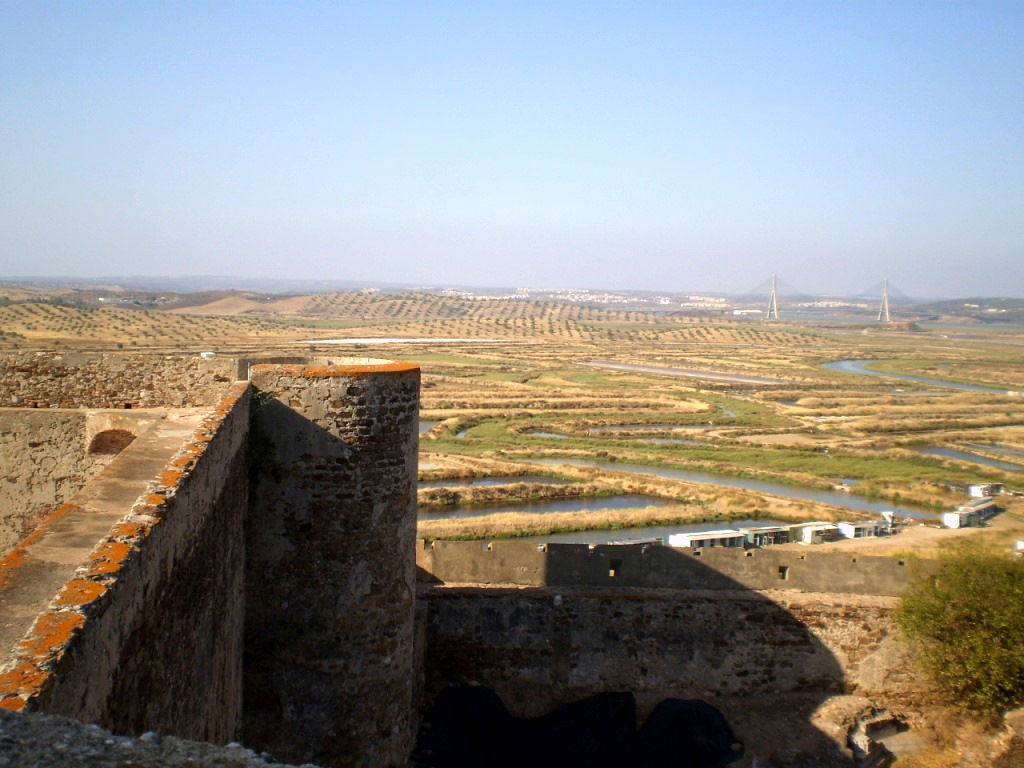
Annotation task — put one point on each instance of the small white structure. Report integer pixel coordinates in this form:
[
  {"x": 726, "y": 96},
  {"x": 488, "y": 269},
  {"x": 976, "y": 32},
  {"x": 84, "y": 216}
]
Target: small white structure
[
  {"x": 983, "y": 490},
  {"x": 861, "y": 529},
  {"x": 765, "y": 535},
  {"x": 971, "y": 514},
  {"x": 960, "y": 519},
  {"x": 816, "y": 532},
  {"x": 729, "y": 537}
]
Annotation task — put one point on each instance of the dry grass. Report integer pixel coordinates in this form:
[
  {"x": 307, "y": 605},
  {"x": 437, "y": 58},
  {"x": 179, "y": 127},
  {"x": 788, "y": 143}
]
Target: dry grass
[
  {"x": 821, "y": 426},
  {"x": 512, "y": 524}
]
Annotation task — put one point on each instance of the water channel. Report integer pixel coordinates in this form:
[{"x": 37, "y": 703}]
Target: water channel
[
  {"x": 645, "y": 428},
  {"x": 859, "y": 366},
  {"x": 836, "y": 498},
  {"x": 998, "y": 449},
  {"x": 465, "y": 482},
  {"x": 546, "y": 506},
  {"x": 951, "y": 453}
]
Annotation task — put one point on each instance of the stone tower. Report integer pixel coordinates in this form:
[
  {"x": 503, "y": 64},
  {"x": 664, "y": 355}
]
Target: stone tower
[{"x": 330, "y": 563}]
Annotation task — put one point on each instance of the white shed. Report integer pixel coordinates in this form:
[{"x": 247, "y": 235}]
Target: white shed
[
  {"x": 729, "y": 537},
  {"x": 816, "y": 532},
  {"x": 960, "y": 518},
  {"x": 981, "y": 490},
  {"x": 861, "y": 529}
]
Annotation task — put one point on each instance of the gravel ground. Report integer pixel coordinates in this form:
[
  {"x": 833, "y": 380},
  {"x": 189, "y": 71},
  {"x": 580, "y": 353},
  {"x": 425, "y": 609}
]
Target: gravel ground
[{"x": 46, "y": 741}]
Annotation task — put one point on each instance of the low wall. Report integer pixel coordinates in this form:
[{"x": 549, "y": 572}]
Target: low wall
[
  {"x": 782, "y": 642},
  {"x": 147, "y": 634},
  {"x": 112, "y": 380},
  {"x": 542, "y": 647},
  {"x": 529, "y": 564},
  {"x": 45, "y": 459},
  {"x": 44, "y": 462}
]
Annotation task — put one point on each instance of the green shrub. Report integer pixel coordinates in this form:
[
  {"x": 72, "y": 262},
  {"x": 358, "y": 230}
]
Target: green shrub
[{"x": 966, "y": 622}]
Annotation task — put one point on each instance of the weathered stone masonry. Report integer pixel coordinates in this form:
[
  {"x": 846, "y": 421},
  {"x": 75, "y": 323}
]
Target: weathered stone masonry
[
  {"x": 146, "y": 633},
  {"x": 330, "y": 574}
]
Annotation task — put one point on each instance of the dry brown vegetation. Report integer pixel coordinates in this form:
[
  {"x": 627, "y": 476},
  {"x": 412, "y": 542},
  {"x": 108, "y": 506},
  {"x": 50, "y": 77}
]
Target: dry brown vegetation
[{"x": 527, "y": 373}]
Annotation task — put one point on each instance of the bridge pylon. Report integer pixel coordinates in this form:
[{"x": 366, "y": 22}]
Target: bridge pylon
[{"x": 773, "y": 302}]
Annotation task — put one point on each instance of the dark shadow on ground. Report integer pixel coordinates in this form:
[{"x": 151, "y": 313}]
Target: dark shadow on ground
[{"x": 468, "y": 726}]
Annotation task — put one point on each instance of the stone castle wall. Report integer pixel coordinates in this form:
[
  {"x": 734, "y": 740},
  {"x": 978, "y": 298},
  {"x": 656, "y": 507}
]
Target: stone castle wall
[
  {"x": 331, "y": 586},
  {"x": 767, "y": 636},
  {"x": 45, "y": 458},
  {"x": 132, "y": 599},
  {"x": 43, "y": 461},
  {"x": 146, "y": 632},
  {"x": 544, "y": 646},
  {"x": 112, "y": 380},
  {"x": 529, "y": 564},
  {"x": 771, "y": 662}
]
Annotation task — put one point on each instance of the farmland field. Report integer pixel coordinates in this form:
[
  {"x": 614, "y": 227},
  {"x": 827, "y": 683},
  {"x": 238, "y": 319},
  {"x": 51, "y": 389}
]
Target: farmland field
[{"x": 531, "y": 380}]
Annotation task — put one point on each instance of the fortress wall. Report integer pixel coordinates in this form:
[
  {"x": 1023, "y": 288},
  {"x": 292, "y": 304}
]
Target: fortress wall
[
  {"x": 147, "y": 634},
  {"x": 529, "y": 564},
  {"x": 112, "y": 380},
  {"x": 542, "y": 647},
  {"x": 45, "y": 459},
  {"x": 329, "y": 649},
  {"x": 43, "y": 462}
]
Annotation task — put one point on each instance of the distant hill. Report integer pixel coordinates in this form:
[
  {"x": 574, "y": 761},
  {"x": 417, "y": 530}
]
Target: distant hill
[{"x": 981, "y": 309}]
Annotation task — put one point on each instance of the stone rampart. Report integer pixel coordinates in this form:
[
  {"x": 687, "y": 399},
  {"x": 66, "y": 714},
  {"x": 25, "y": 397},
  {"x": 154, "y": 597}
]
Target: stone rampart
[
  {"x": 540, "y": 647},
  {"x": 648, "y": 566},
  {"x": 46, "y": 456},
  {"x": 43, "y": 461},
  {"x": 768, "y": 660},
  {"x": 112, "y": 380},
  {"x": 146, "y": 631},
  {"x": 330, "y": 591},
  {"x": 768, "y": 636}
]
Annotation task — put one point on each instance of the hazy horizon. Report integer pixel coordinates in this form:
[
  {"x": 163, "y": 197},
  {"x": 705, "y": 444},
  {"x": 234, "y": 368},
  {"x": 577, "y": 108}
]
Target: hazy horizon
[
  {"x": 697, "y": 147},
  {"x": 227, "y": 283}
]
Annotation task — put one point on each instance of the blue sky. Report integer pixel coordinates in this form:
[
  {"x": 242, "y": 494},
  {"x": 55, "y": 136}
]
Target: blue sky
[{"x": 684, "y": 146}]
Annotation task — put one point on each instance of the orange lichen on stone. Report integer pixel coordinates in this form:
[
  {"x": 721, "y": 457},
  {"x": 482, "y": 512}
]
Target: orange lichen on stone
[
  {"x": 51, "y": 632},
  {"x": 13, "y": 703},
  {"x": 127, "y": 531},
  {"x": 155, "y": 499},
  {"x": 108, "y": 557},
  {"x": 43, "y": 645},
  {"x": 10, "y": 565},
  {"x": 24, "y": 679},
  {"x": 80, "y": 592},
  {"x": 181, "y": 462},
  {"x": 169, "y": 478}
]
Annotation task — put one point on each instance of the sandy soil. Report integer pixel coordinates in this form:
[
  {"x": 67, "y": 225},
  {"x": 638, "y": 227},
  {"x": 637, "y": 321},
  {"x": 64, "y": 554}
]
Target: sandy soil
[{"x": 929, "y": 539}]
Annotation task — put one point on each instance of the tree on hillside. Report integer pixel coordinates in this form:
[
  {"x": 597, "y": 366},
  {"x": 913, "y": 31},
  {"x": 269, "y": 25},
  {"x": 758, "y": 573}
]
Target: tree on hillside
[{"x": 966, "y": 622}]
